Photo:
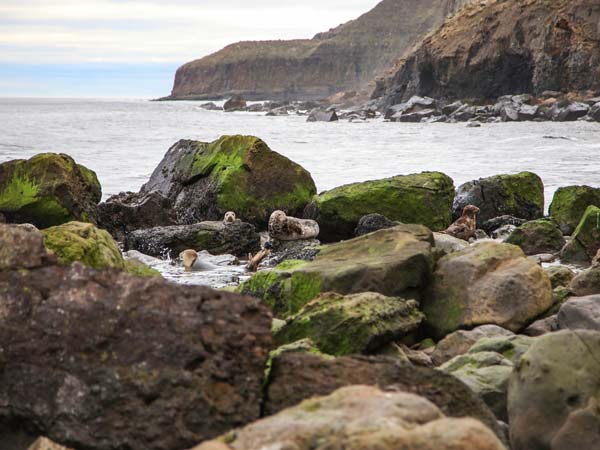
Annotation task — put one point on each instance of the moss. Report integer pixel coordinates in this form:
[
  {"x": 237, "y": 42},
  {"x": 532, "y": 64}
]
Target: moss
[
  {"x": 569, "y": 204},
  {"x": 83, "y": 242},
  {"x": 291, "y": 264},
  {"x": 140, "y": 269},
  {"x": 538, "y": 236},
  {"x": 585, "y": 241},
  {"x": 525, "y": 188}
]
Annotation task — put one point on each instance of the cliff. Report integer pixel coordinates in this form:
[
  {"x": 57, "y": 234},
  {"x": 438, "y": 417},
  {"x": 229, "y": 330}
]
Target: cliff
[
  {"x": 503, "y": 47},
  {"x": 345, "y": 58}
]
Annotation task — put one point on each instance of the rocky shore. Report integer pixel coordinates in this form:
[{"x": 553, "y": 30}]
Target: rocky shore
[{"x": 396, "y": 313}]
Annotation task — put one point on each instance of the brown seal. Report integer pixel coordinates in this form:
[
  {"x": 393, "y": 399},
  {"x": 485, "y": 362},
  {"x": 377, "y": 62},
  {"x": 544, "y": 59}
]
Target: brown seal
[
  {"x": 229, "y": 217},
  {"x": 464, "y": 228},
  {"x": 285, "y": 228},
  {"x": 189, "y": 257}
]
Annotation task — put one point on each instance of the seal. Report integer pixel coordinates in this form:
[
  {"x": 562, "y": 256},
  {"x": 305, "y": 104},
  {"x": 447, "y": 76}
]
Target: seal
[
  {"x": 464, "y": 228},
  {"x": 229, "y": 217},
  {"x": 188, "y": 257},
  {"x": 285, "y": 228}
]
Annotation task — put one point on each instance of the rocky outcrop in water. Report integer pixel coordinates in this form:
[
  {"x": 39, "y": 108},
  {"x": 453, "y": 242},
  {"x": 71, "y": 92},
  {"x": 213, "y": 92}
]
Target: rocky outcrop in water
[{"x": 345, "y": 58}]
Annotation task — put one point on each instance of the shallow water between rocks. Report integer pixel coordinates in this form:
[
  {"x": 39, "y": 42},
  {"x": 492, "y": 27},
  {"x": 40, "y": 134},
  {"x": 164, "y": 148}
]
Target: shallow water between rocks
[{"x": 124, "y": 140}]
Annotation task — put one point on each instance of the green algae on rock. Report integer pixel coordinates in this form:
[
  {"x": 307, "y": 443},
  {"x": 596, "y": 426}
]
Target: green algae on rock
[
  {"x": 357, "y": 323},
  {"x": 538, "y": 236},
  {"x": 234, "y": 173},
  {"x": 395, "y": 262},
  {"x": 424, "y": 199},
  {"x": 585, "y": 242},
  {"x": 569, "y": 204},
  {"x": 48, "y": 189}
]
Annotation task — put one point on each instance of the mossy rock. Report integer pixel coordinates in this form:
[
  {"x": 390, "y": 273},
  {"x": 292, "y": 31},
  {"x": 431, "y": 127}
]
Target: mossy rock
[
  {"x": 520, "y": 195},
  {"x": 559, "y": 275},
  {"x": 83, "y": 242},
  {"x": 424, "y": 199},
  {"x": 538, "y": 236},
  {"x": 569, "y": 204},
  {"x": 395, "y": 262},
  {"x": 234, "y": 173},
  {"x": 139, "y": 269},
  {"x": 585, "y": 242},
  {"x": 352, "y": 324},
  {"x": 48, "y": 189}
]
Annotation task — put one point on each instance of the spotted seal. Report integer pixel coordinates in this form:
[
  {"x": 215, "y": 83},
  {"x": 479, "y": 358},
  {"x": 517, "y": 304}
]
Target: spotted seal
[{"x": 285, "y": 228}]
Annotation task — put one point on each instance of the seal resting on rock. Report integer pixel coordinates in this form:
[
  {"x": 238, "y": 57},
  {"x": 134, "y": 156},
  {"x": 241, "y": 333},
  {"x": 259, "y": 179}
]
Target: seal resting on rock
[
  {"x": 464, "y": 228},
  {"x": 229, "y": 217},
  {"x": 286, "y": 228}
]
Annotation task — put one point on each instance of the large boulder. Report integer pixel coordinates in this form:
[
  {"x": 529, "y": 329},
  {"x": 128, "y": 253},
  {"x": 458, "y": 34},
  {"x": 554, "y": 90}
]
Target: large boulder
[
  {"x": 103, "y": 360},
  {"x": 488, "y": 283},
  {"x": 48, "y": 189},
  {"x": 585, "y": 283},
  {"x": 585, "y": 242},
  {"x": 235, "y": 103},
  {"x": 424, "y": 199},
  {"x": 360, "y": 417},
  {"x": 553, "y": 393},
  {"x": 520, "y": 195},
  {"x": 569, "y": 203},
  {"x": 237, "y": 238},
  {"x": 297, "y": 376},
  {"x": 538, "y": 236},
  {"x": 129, "y": 211},
  {"x": 395, "y": 262},
  {"x": 357, "y": 323},
  {"x": 234, "y": 173},
  {"x": 580, "y": 313},
  {"x": 561, "y": 276}
]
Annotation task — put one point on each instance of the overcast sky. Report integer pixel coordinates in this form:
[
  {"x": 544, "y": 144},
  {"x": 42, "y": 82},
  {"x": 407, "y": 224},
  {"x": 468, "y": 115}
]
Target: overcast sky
[{"x": 131, "y": 48}]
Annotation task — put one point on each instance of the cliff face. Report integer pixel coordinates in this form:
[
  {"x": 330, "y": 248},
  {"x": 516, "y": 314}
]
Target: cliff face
[
  {"x": 503, "y": 47},
  {"x": 345, "y": 58}
]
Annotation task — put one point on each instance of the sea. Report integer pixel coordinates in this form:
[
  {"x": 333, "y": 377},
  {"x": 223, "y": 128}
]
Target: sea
[{"x": 123, "y": 140}]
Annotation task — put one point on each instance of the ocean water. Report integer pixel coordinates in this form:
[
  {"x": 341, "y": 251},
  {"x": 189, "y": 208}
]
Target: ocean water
[{"x": 124, "y": 140}]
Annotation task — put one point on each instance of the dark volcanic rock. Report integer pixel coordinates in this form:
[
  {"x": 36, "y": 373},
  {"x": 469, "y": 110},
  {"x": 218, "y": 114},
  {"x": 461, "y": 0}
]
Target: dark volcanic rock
[
  {"x": 236, "y": 238},
  {"x": 295, "y": 377},
  {"x": 128, "y": 211},
  {"x": 235, "y": 103},
  {"x": 101, "y": 360},
  {"x": 373, "y": 222}
]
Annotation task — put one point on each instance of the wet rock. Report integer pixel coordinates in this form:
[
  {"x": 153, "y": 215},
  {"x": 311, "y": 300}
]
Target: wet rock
[
  {"x": 553, "y": 386},
  {"x": 128, "y": 357},
  {"x": 585, "y": 242},
  {"x": 595, "y": 112},
  {"x": 488, "y": 283},
  {"x": 128, "y": 211},
  {"x": 48, "y": 189},
  {"x": 528, "y": 112},
  {"x": 520, "y": 195},
  {"x": 296, "y": 377},
  {"x": 451, "y": 107},
  {"x": 572, "y": 112},
  {"x": 503, "y": 232},
  {"x": 538, "y": 236},
  {"x": 234, "y": 173},
  {"x": 585, "y": 283},
  {"x": 461, "y": 341},
  {"x": 446, "y": 244},
  {"x": 235, "y": 103},
  {"x": 395, "y": 262},
  {"x": 423, "y": 198},
  {"x": 352, "y": 324},
  {"x": 373, "y": 222},
  {"x": 395, "y": 420},
  {"x": 569, "y": 205},
  {"x": 303, "y": 250},
  {"x": 559, "y": 276},
  {"x": 494, "y": 224},
  {"x": 580, "y": 313},
  {"x": 237, "y": 238},
  {"x": 542, "y": 326},
  {"x": 318, "y": 115},
  {"x": 416, "y": 116},
  {"x": 210, "y": 106}
]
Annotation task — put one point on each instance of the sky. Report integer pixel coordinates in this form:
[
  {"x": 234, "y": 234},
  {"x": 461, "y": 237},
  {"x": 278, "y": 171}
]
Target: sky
[{"x": 131, "y": 48}]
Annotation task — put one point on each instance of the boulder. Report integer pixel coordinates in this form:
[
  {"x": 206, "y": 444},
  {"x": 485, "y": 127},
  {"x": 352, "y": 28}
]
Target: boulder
[
  {"x": 317, "y": 115},
  {"x": 234, "y": 173},
  {"x": 538, "y": 236},
  {"x": 373, "y": 222},
  {"x": 103, "y": 360},
  {"x": 569, "y": 204},
  {"x": 424, "y": 199},
  {"x": 83, "y": 242},
  {"x": 235, "y": 103},
  {"x": 352, "y": 324},
  {"x": 459, "y": 342},
  {"x": 520, "y": 195},
  {"x": 498, "y": 222},
  {"x": 22, "y": 247},
  {"x": 395, "y": 262},
  {"x": 560, "y": 276},
  {"x": 542, "y": 326},
  {"x": 488, "y": 283},
  {"x": 585, "y": 242},
  {"x": 572, "y": 112},
  {"x": 595, "y": 112},
  {"x": 237, "y": 238},
  {"x": 446, "y": 244},
  {"x": 48, "y": 189},
  {"x": 580, "y": 313},
  {"x": 360, "y": 417},
  {"x": 553, "y": 393},
  {"x": 304, "y": 250},
  {"x": 295, "y": 377},
  {"x": 585, "y": 283},
  {"x": 126, "y": 212}
]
